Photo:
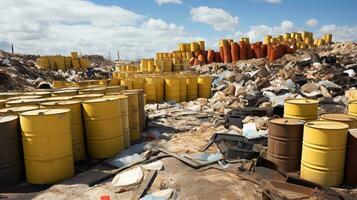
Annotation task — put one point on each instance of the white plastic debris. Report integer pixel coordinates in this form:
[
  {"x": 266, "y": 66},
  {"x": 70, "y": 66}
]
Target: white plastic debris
[
  {"x": 250, "y": 131},
  {"x": 159, "y": 195},
  {"x": 154, "y": 166},
  {"x": 128, "y": 178}
]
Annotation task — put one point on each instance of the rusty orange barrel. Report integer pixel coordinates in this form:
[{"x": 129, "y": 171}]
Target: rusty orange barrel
[
  {"x": 47, "y": 145},
  {"x": 285, "y": 142},
  {"x": 11, "y": 164},
  {"x": 103, "y": 128},
  {"x": 77, "y": 131},
  {"x": 350, "y": 120},
  {"x": 323, "y": 152}
]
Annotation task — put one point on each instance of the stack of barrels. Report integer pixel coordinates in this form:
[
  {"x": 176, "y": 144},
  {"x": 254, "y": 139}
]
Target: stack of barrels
[
  {"x": 322, "y": 149},
  {"x": 63, "y": 63},
  {"x": 65, "y": 128}
]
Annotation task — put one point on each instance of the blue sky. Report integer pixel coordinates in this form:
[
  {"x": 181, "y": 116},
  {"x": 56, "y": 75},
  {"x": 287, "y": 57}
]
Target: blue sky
[{"x": 139, "y": 28}]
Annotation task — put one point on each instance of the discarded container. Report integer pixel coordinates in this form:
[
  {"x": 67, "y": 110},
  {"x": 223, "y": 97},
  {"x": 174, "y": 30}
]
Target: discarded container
[
  {"x": 352, "y": 108},
  {"x": 141, "y": 109},
  {"x": 125, "y": 119},
  {"x": 38, "y": 93},
  {"x": 305, "y": 109},
  {"x": 172, "y": 89},
  {"x": 11, "y": 165},
  {"x": 138, "y": 83},
  {"x": 350, "y": 176},
  {"x": 350, "y": 120},
  {"x": 127, "y": 82},
  {"x": 24, "y": 102},
  {"x": 204, "y": 86},
  {"x": 43, "y": 62},
  {"x": 113, "y": 89},
  {"x": 285, "y": 142},
  {"x": 134, "y": 117},
  {"x": 24, "y": 97},
  {"x": 6, "y": 95},
  {"x": 150, "y": 91},
  {"x": 192, "y": 87},
  {"x": 64, "y": 93},
  {"x": 78, "y": 146},
  {"x": 99, "y": 90},
  {"x": 84, "y": 97},
  {"x": 60, "y": 63},
  {"x": 183, "y": 88},
  {"x": 103, "y": 128},
  {"x": 63, "y": 98},
  {"x": 17, "y": 110},
  {"x": 47, "y": 151},
  {"x": 323, "y": 152}
]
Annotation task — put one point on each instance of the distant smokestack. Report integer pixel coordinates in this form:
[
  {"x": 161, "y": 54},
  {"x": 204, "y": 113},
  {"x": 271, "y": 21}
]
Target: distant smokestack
[{"x": 12, "y": 48}]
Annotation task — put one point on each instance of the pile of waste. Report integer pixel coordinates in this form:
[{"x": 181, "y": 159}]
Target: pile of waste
[{"x": 20, "y": 72}]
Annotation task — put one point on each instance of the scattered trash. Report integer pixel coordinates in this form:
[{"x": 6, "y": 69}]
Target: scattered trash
[
  {"x": 157, "y": 165},
  {"x": 128, "y": 178}
]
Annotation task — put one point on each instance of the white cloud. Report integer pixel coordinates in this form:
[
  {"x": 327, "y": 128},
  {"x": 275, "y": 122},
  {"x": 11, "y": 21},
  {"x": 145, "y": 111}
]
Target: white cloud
[
  {"x": 340, "y": 33},
  {"x": 272, "y": 1},
  {"x": 311, "y": 22},
  {"x": 58, "y": 27},
  {"x": 160, "y": 2},
  {"x": 219, "y": 19}
]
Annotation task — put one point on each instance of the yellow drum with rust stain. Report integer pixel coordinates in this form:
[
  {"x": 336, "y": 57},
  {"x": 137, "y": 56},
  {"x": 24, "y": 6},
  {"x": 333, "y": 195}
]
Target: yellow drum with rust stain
[
  {"x": 172, "y": 88},
  {"x": 134, "y": 118},
  {"x": 192, "y": 86},
  {"x": 305, "y": 109},
  {"x": 352, "y": 108},
  {"x": 138, "y": 83},
  {"x": 350, "y": 120},
  {"x": 158, "y": 81},
  {"x": 150, "y": 91},
  {"x": 183, "y": 88},
  {"x": 78, "y": 145},
  {"x": 204, "y": 86},
  {"x": 323, "y": 152},
  {"x": 47, "y": 145},
  {"x": 64, "y": 93},
  {"x": 84, "y": 97},
  {"x": 24, "y": 102},
  {"x": 17, "y": 110},
  {"x": 127, "y": 82},
  {"x": 103, "y": 128}
]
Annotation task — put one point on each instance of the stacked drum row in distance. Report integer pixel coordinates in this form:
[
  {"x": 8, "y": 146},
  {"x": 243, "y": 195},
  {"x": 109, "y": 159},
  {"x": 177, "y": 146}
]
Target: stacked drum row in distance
[
  {"x": 321, "y": 149},
  {"x": 66, "y": 126},
  {"x": 63, "y": 63}
]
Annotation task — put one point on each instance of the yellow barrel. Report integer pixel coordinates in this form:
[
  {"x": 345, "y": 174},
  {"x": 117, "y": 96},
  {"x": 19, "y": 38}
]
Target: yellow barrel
[
  {"x": 99, "y": 90},
  {"x": 2, "y": 103},
  {"x": 60, "y": 63},
  {"x": 352, "y": 108},
  {"x": 151, "y": 65},
  {"x": 52, "y": 62},
  {"x": 172, "y": 89},
  {"x": 43, "y": 62},
  {"x": 113, "y": 89},
  {"x": 194, "y": 46},
  {"x": 114, "y": 81},
  {"x": 84, "y": 97},
  {"x": 350, "y": 120},
  {"x": 68, "y": 62},
  {"x": 47, "y": 145},
  {"x": 59, "y": 84},
  {"x": 24, "y": 97},
  {"x": 158, "y": 81},
  {"x": 192, "y": 85},
  {"x": 144, "y": 65},
  {"x": 78, "y": 146},
  {"x": 183, "y": 88},
  {"x": 305, "y": 109},
  {"x": 125, "y": 119},
  {"x": 103, "y": 82},
  {"x": 141, "y": 106},
  {"x": 84, "y": 63},
  {"x": 17, "y": 110},
  {"x": 24, "y": 102},
  {"x": 74, "y": 55},
  {"x": 127, "y": 82},
  {"x": 323, "y": 152},
  {"x": 75, "y": 63},
  {"x": 102, "y": 120},
  {"x": 64, "y": 98},
  {"x": 138, "y": 83},
  {"x": 41, "y": 94},
  {"x": 202, "y": 45},
  {"x": 64, "y": 93},
  {"x": 150, "y": 91},
  {"x": 134, "y": 118},
  {"x": 167, "y": 65},
  {"x": 204, "y": 86},
  {"x": 6, "y": 95}
]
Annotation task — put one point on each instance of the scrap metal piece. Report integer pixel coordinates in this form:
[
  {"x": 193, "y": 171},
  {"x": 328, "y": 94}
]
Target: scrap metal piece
[{"x": 233, "y": 147}]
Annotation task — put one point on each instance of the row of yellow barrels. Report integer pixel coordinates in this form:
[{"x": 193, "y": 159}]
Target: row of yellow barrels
[
  {"x": 62, "y": 62},
  {"x": 157, "y": 65},
  {"x": 320, "y": 145},
  {"x": 305, "y": 37},
  {"x": 86, "y": 83},
  {"x": 48, "y": 148}
]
